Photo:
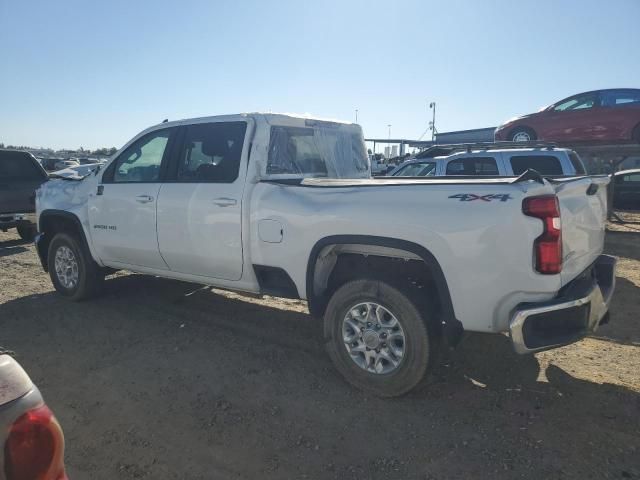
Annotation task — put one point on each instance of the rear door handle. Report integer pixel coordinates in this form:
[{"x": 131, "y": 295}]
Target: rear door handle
[
  {"x": 225, "y": 202},
  {"x": 144, "y": 198}
]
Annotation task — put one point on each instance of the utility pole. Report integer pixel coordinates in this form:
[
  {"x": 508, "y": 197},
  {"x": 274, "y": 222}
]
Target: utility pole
[{"x": 432, "y": 123}]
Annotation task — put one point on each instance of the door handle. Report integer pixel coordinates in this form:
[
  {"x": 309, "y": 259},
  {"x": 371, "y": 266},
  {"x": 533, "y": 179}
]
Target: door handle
[
  {"x": 144, "y": 198},
  {"x": 225, "y": 202}
]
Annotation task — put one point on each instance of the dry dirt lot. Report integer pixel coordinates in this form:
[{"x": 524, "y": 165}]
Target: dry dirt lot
[{"x": 159, "y": 379}]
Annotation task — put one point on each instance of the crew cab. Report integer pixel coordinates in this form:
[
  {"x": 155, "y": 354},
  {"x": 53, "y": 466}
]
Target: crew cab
[
  {"x": 20, "y": 175},
  {"x": 31, "y": 438},
  {"x": 499, "y": 159},
  {"x": 286, "y": 206}
]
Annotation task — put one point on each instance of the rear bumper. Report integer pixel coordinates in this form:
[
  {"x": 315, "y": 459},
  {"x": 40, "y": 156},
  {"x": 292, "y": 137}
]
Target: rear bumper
[
  {"x": 579, "y": 309},
  {"x": 12, "y": 220}
]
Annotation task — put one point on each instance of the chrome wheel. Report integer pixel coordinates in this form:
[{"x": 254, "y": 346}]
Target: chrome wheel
[
  {"x": 373, "y": 337},
  {"x": 66, "y": 267},
  {"x": 522, "y": 137}
]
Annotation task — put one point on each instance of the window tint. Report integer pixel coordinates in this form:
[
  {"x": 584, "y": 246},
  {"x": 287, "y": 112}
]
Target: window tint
[
  {"x": 577, "y": 163},
  {"x": 211, "y": 152},
  {"x": 473, "y": 166},
  {"x": 634, "y": 177},
  {"x": 417, "y": 170},
  {"x": 579, "y": 102},
  {"x": 620, "y": 98},
  {"x": 543, "y": 164},
  {"x": 18, "y": 166},
  {"x": 140, "y": 162}
]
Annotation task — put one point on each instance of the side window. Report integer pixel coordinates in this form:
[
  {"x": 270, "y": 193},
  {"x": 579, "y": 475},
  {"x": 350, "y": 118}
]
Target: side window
[
  {"x": 211, "y": 152},
  {"x": 621, "y": 98},
  {"x": 416, "y": 170},
  {"x": 579, "y": 102},
  {"x": 577, "y": 163},
  {"x": 543, "y": 164},
  {"x": 473, "y": 166},
  {"x": 140, "y": 162}
]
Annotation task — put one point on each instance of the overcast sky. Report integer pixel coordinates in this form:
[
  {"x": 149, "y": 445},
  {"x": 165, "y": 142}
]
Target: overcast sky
[{"x": 76, "y": 73}]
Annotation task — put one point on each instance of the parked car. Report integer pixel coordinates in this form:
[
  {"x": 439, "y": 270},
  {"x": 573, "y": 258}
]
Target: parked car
[
  {"x": 286, "y": 206},
  {"x": 20, "y": 175},
  {"x": 31, "y": 438},
  {"x": 491, "y": 160},
  {"x": 600, "y": 116},
  {"x": 626, "y": 190},
  {"x": 62, "y": 164}
]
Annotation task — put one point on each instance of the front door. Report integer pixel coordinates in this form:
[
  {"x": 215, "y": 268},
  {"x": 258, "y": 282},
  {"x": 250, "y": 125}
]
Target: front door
[
  {"x": 200, "y": 205},
  {"x": 573, "y": 119},
  {"x": 122, "y": 211}
]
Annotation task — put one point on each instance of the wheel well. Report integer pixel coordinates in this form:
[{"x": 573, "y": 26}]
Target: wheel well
[
  {"x": 403, "y": 264},
  {"x": 521, "y": 127},
  {"x": 50, "y": 224}
]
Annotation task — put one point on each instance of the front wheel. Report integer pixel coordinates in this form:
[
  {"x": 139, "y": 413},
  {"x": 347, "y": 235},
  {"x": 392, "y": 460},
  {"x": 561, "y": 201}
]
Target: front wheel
[
  {"x": 378, "y": 338},
  {"x": 522, "y": 134},
  {"x": 72, "y": 270}
]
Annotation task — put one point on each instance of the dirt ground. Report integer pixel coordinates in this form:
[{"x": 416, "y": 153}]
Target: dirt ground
[{"x": 160, "y": 379}]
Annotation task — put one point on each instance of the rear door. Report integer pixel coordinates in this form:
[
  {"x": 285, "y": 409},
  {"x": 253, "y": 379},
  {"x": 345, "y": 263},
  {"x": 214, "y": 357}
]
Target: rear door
[
  {"x": 200, "y": 207},
  {"x": 20, "y": 176},
  {"x": 122, "y": 212},
  {"x": 619, "y": 113},
  {"x": 583, "y": 210}
]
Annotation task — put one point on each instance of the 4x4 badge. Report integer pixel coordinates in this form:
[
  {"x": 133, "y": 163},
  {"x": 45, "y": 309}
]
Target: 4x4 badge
[{"x": 470, "y": 197}]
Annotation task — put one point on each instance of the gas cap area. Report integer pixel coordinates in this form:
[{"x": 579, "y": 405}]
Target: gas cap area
[{"x": 270, "y": 231}]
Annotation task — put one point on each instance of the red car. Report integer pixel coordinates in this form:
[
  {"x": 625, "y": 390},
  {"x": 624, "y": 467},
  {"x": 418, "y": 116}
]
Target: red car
[{"x": 599, "y": 116}]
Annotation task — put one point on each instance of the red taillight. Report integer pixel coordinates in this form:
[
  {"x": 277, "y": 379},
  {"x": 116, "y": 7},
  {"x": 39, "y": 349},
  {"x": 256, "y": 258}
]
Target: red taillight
[
  {"x": 548, "y": 246},
  {"x": 34, "y": 449}
]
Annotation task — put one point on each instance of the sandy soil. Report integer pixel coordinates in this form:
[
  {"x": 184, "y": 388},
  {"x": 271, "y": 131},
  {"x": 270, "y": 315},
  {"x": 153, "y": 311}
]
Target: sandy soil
[{"x": 159, "y": 379}]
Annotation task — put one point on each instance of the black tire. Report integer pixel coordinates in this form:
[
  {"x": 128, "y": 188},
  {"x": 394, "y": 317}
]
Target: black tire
[
  {"x": 518, "y": 131},
  {"x": 90, "y": 275},
  {"x": 421, "y": 345},
  {"x": 27, "y": 232}
]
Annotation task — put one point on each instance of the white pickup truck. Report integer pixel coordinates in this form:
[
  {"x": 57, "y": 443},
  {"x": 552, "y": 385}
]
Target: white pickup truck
[{"x": 285, "y": 206}]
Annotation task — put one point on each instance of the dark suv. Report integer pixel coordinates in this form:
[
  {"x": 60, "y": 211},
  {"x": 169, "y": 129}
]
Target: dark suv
[{"x": 20, "y": 176}]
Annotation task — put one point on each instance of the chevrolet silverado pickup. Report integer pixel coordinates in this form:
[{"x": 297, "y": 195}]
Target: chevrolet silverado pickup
[
  {"x": 32, "y": 440},
  {"x": 286, "y": 206}
]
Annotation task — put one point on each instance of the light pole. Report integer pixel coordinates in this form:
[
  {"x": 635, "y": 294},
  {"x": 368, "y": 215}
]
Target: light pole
[
  {"x": 432, "y": 123},
  {"x": 356, "y": 115},
  {"x": 389, "y": 130}
]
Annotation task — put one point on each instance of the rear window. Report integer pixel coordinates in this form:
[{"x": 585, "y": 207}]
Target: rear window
[
  {"x": 577, "y": 163},
  {"x": 320, "y": 151},
  {"x": 543, "y": 164},
  {"x": 473, "y": 166},
  {"x": 18, "y": 166}
]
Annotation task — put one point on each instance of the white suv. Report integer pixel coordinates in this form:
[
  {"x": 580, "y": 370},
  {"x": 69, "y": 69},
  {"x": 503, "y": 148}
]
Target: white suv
[{"x": 492, "y": 160}]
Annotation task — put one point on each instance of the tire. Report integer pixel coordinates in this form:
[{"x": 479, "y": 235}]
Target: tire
[
  {"x": 27, "y": 232},
  {"x": 522, "y": 134},
  {"x": 420, "y": 345},
  {"x": 88, "y": 274}
]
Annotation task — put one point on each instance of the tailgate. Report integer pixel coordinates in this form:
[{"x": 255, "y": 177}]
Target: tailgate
[
  {"x": 18, "y": 196},
  {"x": 583, "y": 209}
]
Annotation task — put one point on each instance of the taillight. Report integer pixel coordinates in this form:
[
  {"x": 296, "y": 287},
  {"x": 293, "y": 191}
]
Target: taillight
[
  {"x": 548, "y": 246},
  {"x": 34, "y": 449}
]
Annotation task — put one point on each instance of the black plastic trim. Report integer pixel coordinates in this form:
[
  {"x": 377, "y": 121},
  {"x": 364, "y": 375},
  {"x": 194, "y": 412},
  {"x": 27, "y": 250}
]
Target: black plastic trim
[
  {"x": 452, "y": 327},
  {"x": 41, "y": 240},
  {"x": 275, "y": 281}
]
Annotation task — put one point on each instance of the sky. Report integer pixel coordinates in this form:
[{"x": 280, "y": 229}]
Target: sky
[{"x": 93, "y": 74}]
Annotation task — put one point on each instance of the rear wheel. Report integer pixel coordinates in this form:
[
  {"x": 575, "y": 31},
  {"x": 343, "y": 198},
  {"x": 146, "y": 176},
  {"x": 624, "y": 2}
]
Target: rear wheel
[
  {"x": 378, "y": 338},
  {"x": 72, "y": 270},
  {"x": 27, "y": 232},
  {"x": 522, "y": 134}
]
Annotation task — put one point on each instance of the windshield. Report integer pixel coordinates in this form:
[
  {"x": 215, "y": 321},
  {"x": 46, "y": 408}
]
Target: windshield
[{"x": 319, "y": 151}]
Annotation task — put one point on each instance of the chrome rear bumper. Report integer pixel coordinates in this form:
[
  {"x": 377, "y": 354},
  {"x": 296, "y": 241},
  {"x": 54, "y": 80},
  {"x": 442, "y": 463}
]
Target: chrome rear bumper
[{"x": 579, "y": 309}]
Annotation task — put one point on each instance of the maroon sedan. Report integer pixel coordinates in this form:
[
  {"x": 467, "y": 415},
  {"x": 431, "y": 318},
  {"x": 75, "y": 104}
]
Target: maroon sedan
[{"x": 599, "y": 116}]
